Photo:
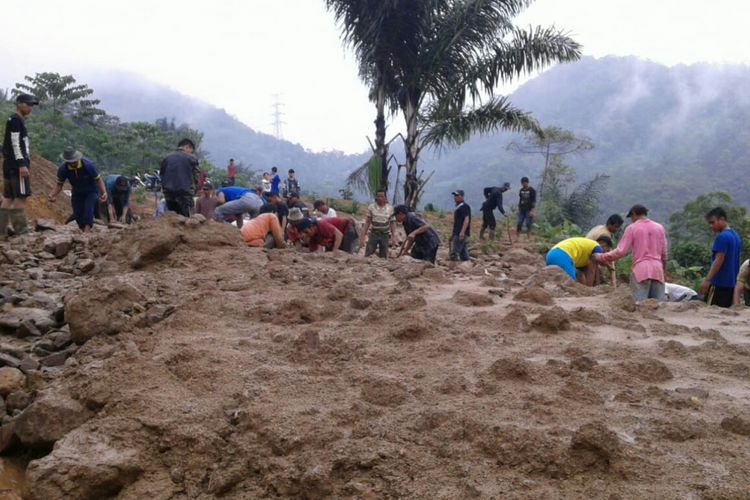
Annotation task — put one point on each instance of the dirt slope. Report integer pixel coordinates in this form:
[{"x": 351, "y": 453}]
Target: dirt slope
[
  {"x": 266, "y": 375},
  {"x": 43, "y": 179}
]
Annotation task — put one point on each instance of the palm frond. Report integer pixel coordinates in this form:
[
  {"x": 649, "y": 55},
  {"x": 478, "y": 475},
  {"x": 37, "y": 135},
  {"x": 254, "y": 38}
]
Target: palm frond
[{"x": 583, "y": 203}]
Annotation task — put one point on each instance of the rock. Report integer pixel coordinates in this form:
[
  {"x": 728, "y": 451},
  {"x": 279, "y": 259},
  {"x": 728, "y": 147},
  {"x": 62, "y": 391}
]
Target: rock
[
  {"x": 648, "y": 370},
  {"x": 11, "y": 379},
  {"x": 41, "y": 319},
  {"x": 101, "y": 309},
  {"x": 86, "y": 265},
  {"x": 82, "y": 466},
  {"x": 59, "y": 245},
  {"x": 45, "y": 225},
  {"x": 198, "y": 217},
  {"x": 8, "y": 360},
  {"x": 29, "y": 364},
  {"x": 155, "y": 248},
  {"x": 12, "y": 256},
  {"x": 357, "y": 303},
  {"x": 57, "y": 275},
  {"x": 17, "y": 400},
  {"x": 510, "y": 368},
  {"x": 583, "y": 363},
  {"x": 472, "y": 299},
  {"x": 35, "y": 273},
  {"x": 59, "y": 340},
  {"x": 50, "y": 417},
  {"x": 7, "y": 437},
  {"x": 192, "y": 223},
  {"x": 595, "y": 444},
  {"x": 736, "y": 425},
  {"x": 58, "y": 358},
  {"x": 28, "y": 329}
]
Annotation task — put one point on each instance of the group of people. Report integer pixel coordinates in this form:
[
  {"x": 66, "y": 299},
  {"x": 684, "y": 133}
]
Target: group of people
[{"x": 280, "y": 222}]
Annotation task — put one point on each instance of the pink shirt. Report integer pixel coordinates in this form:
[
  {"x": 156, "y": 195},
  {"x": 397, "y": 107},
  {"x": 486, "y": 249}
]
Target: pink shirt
[{"x": 649, "y": 244}]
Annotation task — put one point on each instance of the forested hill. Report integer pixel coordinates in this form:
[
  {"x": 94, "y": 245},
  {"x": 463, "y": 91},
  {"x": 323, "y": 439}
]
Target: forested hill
[
  {"x": 663, "y": 134},
  {"x": 136, "y": 99}
]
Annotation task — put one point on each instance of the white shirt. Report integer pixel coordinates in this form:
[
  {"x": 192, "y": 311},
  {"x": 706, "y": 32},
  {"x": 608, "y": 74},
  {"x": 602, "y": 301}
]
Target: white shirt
[{"x": 331, "y": 213}]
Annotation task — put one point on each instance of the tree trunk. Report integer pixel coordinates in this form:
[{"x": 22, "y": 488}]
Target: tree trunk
[
  {"x": 411, "y": 146},
  {"x": 381, "y": 148}
]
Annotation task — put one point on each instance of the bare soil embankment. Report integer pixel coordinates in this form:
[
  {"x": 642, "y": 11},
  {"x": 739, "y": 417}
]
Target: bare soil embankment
[{"x": 207, "y": 369}]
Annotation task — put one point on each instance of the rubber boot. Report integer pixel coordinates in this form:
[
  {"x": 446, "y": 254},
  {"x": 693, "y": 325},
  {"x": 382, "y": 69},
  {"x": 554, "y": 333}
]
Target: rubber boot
[
  {"x": 492, "y": 234},
  {"x": 18, "y": 219},
  {"x": 4, "y": 219},
  {"x": 481, "y": 234}
]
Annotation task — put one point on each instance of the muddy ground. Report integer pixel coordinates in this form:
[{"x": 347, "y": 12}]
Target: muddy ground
[{"x": 208, "y": 369}]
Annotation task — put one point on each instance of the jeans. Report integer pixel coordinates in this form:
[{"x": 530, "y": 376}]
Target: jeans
[
  {"x": 179, "y": 202},
  {"x": 459, "y": 251},
  {"x": 377, "y": 240},
  {"x": 646, "y": 289},
  {"x": 83, "y": 208},
  {"x": 248, "y": 203},
  {"x": 524, "y": 217}
]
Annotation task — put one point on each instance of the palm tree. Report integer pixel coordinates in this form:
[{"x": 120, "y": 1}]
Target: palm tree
[{"x": 439, "y": 62}]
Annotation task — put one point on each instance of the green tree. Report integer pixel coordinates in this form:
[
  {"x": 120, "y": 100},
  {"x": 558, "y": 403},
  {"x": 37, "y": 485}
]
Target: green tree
[
  {"x": 443, "y": 60},
  {"x": 61, "y": 95}
]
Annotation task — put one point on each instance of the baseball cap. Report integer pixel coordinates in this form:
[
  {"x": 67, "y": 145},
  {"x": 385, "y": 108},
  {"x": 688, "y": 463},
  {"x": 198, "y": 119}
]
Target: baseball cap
[
  {"x": 637, "y": 209},
  {"x": 304, "y": 224},
  {"x": 27, "y": 99},
  {"x": 458, "y": 192}
]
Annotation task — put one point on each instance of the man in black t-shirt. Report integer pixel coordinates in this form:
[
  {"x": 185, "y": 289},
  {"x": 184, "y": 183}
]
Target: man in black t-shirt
[
  {"x": 461, "y": 228},
  {"x": 16, "y": 163},
  {"x": 421, "y": 238},
  {"x": 274, "y": 206},
  {"x": 526, "y": 206}
]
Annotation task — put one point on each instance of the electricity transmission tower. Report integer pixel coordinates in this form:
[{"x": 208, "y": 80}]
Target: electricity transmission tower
[{"x": 277, "y": 114}]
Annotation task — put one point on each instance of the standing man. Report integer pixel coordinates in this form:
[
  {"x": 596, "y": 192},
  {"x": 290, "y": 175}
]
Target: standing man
[
  {"x": 275, "y": 180},
  {"x": 234, "y": 202},
  {"x": 179, "y": 176},
  {"x": 461, "y": 228},
  {"x": 86, "y": 186},
  {"x": 526, "y": 207},
  {"x": 291, "y": 185},
  {"x": 380, "y": 227},
  {"x": 16, "y": 163},
  {"x": 231, "y": 171},
  {"x": 719, "y": 284},
  {"x": 324, "y": 210},
  {"x": 648, "y": 242},
  {"x": 118, "y": 199},
  {"x": 421, "y": 238}
]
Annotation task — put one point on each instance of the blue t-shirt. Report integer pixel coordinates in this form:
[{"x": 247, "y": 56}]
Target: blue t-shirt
[
  {"x": 729, "y": 243},
  {"x": 232, "y": 193},
  {"x": 275, "y": 183},
  {"x": 82, "y": 176},
  {"x": 122, "y": 196}
]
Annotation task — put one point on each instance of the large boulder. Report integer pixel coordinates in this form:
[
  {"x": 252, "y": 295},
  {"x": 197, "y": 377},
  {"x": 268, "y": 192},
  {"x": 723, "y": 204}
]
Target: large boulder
[
  {"x": 83, "y": 466},
  {"x": 104, "y": 308},
  {"x": 155, "y": 248},
  {"x": 51, "y": 416},
  {"x": 59, "y": 244}
]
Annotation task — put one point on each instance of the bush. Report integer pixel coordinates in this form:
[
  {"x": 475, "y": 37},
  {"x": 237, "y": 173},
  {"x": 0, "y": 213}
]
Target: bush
[{"x": 430, "y": 208}]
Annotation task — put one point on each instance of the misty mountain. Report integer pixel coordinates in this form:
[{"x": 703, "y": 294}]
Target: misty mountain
[
  {"x": 663, "y": 134},
  {"x": 136, "y": 99}
]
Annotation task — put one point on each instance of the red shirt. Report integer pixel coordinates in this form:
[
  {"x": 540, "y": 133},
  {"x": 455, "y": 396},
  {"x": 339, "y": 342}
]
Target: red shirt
[
  {"x": 326, "y": 234},
  {"x": 230, "y": 170}
]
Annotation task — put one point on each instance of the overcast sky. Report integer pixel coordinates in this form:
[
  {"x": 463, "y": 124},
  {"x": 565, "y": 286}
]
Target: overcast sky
[{"x": 237, "y": 54}]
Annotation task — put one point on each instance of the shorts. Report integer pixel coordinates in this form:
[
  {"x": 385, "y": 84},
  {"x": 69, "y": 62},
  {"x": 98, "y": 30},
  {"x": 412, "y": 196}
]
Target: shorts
[
  {"x": 488, "y": 219},
  {"x": 720, "y": 296},
  {"x": 558, "y": 257},
  {"x": 15, "y": 186}
]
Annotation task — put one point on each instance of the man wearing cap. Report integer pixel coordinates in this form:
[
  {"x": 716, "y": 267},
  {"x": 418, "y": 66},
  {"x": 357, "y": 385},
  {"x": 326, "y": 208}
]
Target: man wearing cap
[
  {"x": 86, "y": 184},
  {"x": 263, "y": 231},
  {"x": 332, "y": 234},
  {"x": 118, "y": 199},
  {"x": 526, "y": 207},
  {"x": 16, "y": 163},
  {"x": 207, "y": 202},
  {"x": 292, "y": 233},
  {"x": 380, "y": 227},
  {"x": 234, "y": 202},
  {"x": 421, "y": 239},
  {"x": 648, "y": 242},
  {"x": 493, "y": 198},
  {"x": 179, "y": 176},
  {"x": 461, "y": 228}
]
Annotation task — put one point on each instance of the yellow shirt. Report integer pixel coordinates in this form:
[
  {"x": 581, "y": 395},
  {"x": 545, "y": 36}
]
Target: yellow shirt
[
  {"x": 597, "y": 232},
  {"x": 579, "y": 249}
]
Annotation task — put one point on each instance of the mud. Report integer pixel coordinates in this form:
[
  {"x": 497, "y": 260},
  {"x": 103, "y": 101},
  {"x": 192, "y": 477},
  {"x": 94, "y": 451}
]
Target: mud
[{"x": 239, "y": 373}]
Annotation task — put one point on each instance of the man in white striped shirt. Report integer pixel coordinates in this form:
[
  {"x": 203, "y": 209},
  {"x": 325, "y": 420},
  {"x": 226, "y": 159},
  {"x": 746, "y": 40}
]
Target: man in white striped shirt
[{"x": 16, "y": 163}]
